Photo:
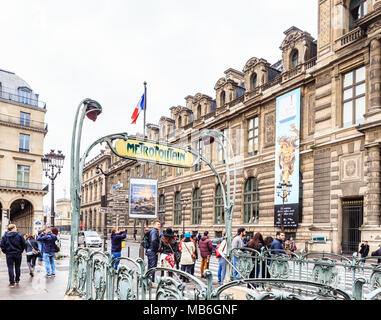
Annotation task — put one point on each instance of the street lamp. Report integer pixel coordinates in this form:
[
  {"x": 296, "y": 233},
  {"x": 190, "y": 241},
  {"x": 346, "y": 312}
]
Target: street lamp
[
  {"x": 106, "y": 174},
  {"x": 283, "y": 190},
  {"x": 50, "y": 161},
  {"x": 184, "y": 202}
]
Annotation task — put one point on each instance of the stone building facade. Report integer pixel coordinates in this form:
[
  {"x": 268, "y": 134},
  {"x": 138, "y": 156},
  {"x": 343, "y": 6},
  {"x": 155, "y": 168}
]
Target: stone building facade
[
  {"x": 339, "y": 75},
  {"x": 22, "y": 133}
]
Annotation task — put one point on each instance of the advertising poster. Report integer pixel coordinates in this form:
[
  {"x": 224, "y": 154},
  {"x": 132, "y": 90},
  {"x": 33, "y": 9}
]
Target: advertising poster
[
  {"x": 143, "y": 198},
  {"x": 287, "y": 158}
]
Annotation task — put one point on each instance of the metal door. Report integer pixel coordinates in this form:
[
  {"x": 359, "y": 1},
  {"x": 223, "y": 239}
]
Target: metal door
[{"x": 352, "y": 221}]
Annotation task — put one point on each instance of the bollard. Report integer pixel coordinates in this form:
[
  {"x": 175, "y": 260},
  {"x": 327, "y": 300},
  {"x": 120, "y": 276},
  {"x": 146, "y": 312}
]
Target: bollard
[{"x": 128, "y": 251}]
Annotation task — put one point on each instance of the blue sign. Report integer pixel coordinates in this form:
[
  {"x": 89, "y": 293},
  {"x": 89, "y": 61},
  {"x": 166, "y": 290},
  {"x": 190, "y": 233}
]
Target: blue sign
[{"x": 37, "y": 222}]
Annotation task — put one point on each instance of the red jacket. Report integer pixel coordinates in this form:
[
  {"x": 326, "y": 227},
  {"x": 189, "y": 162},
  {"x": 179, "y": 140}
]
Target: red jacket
[{"x": 206, "y": 247}]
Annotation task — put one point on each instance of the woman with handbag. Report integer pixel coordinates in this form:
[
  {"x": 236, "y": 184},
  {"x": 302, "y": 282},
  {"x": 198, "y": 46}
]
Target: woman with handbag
[
  {"x": 168, "y": 249},
  {"x": 188, "y": 257},
  {"x": 32, "y": 253}
]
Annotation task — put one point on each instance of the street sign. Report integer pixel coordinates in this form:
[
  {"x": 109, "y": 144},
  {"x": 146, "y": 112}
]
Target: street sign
[{"x": 37, "y": 223}]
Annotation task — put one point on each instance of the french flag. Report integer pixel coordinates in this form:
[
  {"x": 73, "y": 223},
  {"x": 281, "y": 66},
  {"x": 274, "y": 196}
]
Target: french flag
[{"x": 139, "y": 107}]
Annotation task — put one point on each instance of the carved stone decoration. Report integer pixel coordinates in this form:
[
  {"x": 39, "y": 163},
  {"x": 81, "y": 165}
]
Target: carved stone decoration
[
  {"x": 350, "y": 168},
  {"x": 374, "y": 27},
  {"x": 269, "y": 129},
  {"x": 251, "y": 63},
  {"x": 220, "y": 83},
  {"x": 325, "y": 23}
]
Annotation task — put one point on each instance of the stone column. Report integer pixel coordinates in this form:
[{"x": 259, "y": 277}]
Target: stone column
[
  {"x": 375, "y": 76},
  {"x": 373, "y": 193}
]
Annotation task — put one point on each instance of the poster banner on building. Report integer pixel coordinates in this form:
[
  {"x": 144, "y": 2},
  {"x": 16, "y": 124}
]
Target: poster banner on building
[
  {"x": 287, "y": 158},
  {"x": 143, "y": 198}
]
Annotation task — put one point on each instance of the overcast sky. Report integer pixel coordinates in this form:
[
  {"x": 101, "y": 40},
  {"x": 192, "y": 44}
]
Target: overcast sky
[{"x": 105, "y": 50}]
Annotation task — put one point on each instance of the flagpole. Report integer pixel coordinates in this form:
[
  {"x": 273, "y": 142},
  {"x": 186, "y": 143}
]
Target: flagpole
[{"x": 141, "y": 249}]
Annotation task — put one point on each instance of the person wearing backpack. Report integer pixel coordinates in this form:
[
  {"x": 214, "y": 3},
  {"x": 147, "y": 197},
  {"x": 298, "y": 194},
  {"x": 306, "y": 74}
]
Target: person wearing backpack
[
  {"x": 32, "y": 252},
  {"x": 49, "y": 240},
  {"x": 152, "y": 247},
  {"x": 221, "y": 250},
  {"x": 13, "y": 244}
]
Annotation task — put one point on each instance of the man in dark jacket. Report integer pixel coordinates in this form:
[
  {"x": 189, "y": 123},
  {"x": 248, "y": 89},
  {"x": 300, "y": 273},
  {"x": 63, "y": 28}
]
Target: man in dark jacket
[
  {"x": 277, "y": 245},
  {"x": 206, "y": 249},
  {"x": 152, "y": 252},
  {"x": 116, "y": 244},
  {"x": 364, "y": 251},
  {"x": 13, "y": 244},
  {"x": 49, "y": 240}
]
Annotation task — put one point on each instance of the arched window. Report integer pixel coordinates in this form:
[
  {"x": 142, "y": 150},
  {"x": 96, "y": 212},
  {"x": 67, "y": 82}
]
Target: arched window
[
  {"x": 223, "y": 98},
  {"x": 162, "y": 203},
  {"x": 294, "y": 59},
  {"x": 177, "y": 211},
  {"x": 179, "y": 122},
  {"x": 254, "y": 80},
  {"x": 357, "y": 10},
  {"x": 199, "y": 111},
  {"x": 219, "y": 206},
  {"x": 196, "y": 206},
  {"x": 251, "y": 201}
]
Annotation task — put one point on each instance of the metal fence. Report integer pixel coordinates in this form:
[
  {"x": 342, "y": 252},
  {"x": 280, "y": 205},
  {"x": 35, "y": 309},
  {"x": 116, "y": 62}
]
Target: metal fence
[
  {"x": 22, "y": 185},
  {"x": 262, "y": 276},
  {"x": 7, "y": 94}
]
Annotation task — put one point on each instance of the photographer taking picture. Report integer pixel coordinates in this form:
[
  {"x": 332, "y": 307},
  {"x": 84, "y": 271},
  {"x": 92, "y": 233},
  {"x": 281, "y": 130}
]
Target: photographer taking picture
[{"x": 117, "y": 236}]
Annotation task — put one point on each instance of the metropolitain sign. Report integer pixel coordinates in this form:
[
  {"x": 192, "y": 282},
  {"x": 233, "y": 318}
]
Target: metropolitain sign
[{"x": 154, "y": 152}]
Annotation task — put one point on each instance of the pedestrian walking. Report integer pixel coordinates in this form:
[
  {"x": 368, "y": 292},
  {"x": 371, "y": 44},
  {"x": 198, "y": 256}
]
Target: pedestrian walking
[
  {"x": 206, "y": 249},
  {"x": 194, "y": 239},
  {"x": 152, "y": 251},
  {"x": 116, "y": 244},
  {"x": 13, "y": 244},
  {"x": 169, "y": 251},
  {"x": 32, "y": 252},
  {"x": 267, "y": 243},
  {"x": 277, "y": 246},
  {"x": 188, "y": 257},
  {"x": 236, "y": 244},
  {"x": 221, "y": 251},
  {"x": 41, "y": 244},
  {"x": 257, "y": 244},
  {"x": 364, "y": 251},
  {"x": 49, "y": 241},
  {"x": 377, "y": 253}
]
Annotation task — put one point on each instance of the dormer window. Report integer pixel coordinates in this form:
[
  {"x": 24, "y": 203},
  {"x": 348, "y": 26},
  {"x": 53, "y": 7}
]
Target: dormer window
[
  {"x": 294, "y": 59},
  {"x": 357, "y": 10},
  {"x": 24, "y": 95},
  {"x": 254, "y": 80},
  {"x": 199, "y": 111},
  {"x": 179, "y": 122}
]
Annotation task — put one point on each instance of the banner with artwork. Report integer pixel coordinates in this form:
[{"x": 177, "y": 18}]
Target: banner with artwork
[
  {"x": 143, "y": 198},
  {"x": 287, "y": 158}
]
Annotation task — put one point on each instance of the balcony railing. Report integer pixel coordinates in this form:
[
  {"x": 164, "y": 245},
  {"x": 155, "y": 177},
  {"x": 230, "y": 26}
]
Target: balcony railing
[
  {"x": 23, "y": 122},
  {"x": 350, "y": 37},
  {"x": 6, "y": 94},
  {"x": 12, "y": 184}
]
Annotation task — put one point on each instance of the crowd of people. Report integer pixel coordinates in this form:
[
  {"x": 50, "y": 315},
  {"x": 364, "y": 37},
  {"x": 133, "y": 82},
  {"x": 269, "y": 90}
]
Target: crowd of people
[{"x": 41, "y": 246}]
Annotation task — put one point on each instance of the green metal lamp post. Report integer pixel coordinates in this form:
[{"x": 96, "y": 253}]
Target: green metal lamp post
[
  {"x": 210, "y": 136},
  {"x": 106, "y": 174}
]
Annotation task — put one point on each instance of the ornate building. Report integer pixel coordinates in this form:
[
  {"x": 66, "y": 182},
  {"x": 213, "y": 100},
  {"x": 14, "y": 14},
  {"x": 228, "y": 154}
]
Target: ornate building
[
  {"x": 339, "y": 77},
  {"x": 22, "y": 133}
]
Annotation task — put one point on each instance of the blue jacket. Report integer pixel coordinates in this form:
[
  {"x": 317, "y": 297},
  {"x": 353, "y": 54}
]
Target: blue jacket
[
  {"x": 154, "y": 241},
  {"x": 49, "y": 241},
  {"x": 116, "y": 241},
  {"x": 277, "y": 247},
  {"x": 12, "y": 242}
]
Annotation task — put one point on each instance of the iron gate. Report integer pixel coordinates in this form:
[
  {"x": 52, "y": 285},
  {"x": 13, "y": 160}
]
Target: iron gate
[{"x": 352, "y": 221}]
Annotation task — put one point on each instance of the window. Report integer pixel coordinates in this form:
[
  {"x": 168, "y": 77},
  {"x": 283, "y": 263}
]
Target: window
[
  {"x": 162, "y": 203},
  {"x": 223, "y": 98},
  {"x": 179, "y": 122},
  {"x": 354, "y": 89},
  {"x": 199, "y": 111},
  {"x": 252, "y": 146},
  {"x": 196, "y": 206},
  {"x": 24, "y": 95},
  {"x": 219, "y": 214},
  {"x": 138, "y": 171},
  {"x": 24, "y": 142},
  {"x": 198, "y": 148},
  {"x": 254, "y": 80},
  {"x": 294, "y": 59},
  {"x": 162, "y": 173},
  {"x": 251, "y": 201},
  {"x": 23, "y": 173},
  {"x": 25, "y": 119},
  {"x": 128, "y": 179},
  {"x": 178, "y": 171},
  {"x": 177, "y": 206},
  {"x": 357, "y": 10},
  {"x": 221, "y": 155}
]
